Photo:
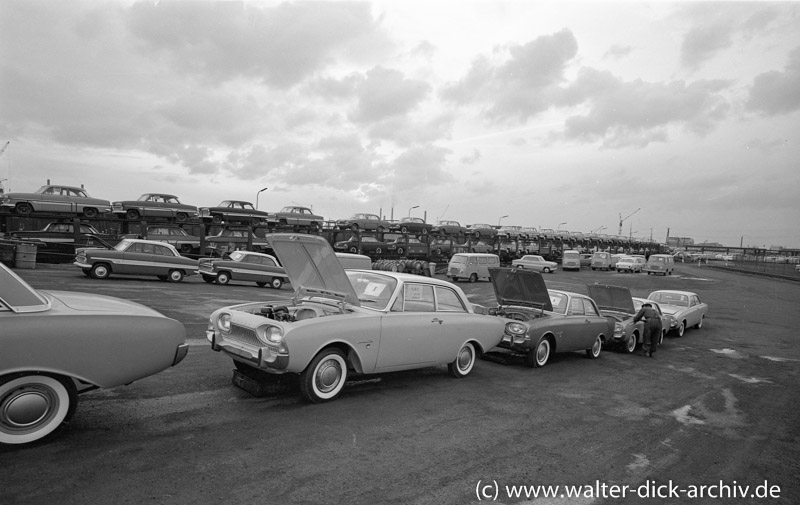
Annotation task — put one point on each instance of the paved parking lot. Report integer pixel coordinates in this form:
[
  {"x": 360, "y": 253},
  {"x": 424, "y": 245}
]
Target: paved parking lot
[{"x": 714, "y": 407}]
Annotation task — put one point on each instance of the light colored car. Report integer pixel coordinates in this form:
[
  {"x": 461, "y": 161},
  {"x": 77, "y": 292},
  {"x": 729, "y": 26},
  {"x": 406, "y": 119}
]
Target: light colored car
[
  {"x": 540, "y": 322},
  {"x": 471, "y": 266},
  {"x": 663, "y": 264},
  {"x": 570, "y": 260},
  {"x": 616, "y": 303},
  {"x": 58, "y": 344},
  {"x": 243, "y": 266},
  {"x": 155, "y": 205},
  {"x": 369, "y": 222},
  {"x": 413, "y": 225},
  {"x": 52, "y": 198},
  {"x": 666, "y": 319},
  {"x": 294, "y": 215},
  {"x": 601, "y": 260},
  {"x": 536, "y": 263},
  {"x": 135, "y": 257},
  {"x": 684, "y": 307},
  {"x": 628, "y": 264},
  {"x": 356, "y": 321}
]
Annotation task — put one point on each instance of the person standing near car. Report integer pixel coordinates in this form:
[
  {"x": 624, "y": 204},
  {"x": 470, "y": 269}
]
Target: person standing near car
[{"x": 652, "y": 328}]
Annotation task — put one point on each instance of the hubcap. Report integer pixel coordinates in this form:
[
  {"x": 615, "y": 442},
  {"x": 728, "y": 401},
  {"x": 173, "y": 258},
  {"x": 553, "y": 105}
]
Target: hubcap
[
  {"x": 328, "y": 375},
  {"x": 26, "y": 408},
  {"x": 542, "y": 352},
  {"x": 465, "y": 358}
]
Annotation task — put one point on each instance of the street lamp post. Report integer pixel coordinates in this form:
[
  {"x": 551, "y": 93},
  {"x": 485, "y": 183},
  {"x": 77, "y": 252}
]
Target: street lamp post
[
  {"x": 412, "y": 208},
  {"x": 257, "y": 194},
  {"x": 559, "y": 226},
  {"x": 501, "y": 218}
]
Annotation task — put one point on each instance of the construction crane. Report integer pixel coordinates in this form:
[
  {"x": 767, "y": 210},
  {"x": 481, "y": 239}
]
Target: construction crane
[
  {"x": 623, "y": 219},
  {"x": 4, "y": 148},
  {"x": 2, "y": 189}
]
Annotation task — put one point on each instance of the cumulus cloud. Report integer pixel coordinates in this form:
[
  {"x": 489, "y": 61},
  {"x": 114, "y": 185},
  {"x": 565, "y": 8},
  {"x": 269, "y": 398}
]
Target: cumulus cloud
[
  {"x": 385, "y": 93},
  {"x": 776, "y": 92}
]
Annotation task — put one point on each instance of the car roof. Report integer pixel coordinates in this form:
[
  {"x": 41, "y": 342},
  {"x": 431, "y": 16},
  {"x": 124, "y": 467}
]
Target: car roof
[{"x": 676, "y": 291}]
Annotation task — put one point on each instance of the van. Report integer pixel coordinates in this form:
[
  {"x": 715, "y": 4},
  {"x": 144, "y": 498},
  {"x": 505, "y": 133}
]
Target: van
[
  {"x": 601, "y": 260},
  {"x": 354, "y": 261},
  {"x": 662, "y": 264},
  {"x": 571, "y": 260},
  {"x": 471, "y": 266}
]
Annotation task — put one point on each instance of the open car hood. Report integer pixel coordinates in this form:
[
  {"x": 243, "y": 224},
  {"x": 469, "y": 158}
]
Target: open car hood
[
  {"x": 518, "y": 286},
  {"x": 312, "y": 266},
  {"x": 612, "y": 297}
]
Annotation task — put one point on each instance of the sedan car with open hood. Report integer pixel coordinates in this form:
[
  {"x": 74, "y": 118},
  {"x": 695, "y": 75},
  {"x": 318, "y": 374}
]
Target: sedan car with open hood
[
  {"x": 135, "y": 257},
  {"x": 58, "y": 344},
  {"x": 616, "y": 303},
  {"x": 684, "y": 307},
  {"x": 546, "y": 321},
  {"x": 356, "y": 321},
  {"x": 244, "y": 266}
]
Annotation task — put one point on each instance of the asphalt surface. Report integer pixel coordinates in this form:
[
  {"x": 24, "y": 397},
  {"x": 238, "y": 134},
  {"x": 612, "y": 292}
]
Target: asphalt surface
[{"x": 715, "y": 408}]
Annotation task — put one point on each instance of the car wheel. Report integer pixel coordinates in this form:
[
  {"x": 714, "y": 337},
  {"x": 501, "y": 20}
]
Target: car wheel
[
  {"x": 34, "y": 406},
  {"x": 186, "y": 248},
  {"x": 538, "y": 356},
  {"x": 162, "y": 277},
  {"x": 223, "y": 278},
  {"x": 324, "y": 378},
  {"x": 424, "y": 231},
  {"x": 378, "y": 250},
  {"x": 400, "y": 251},
  {"x": 404, "y": 229},
  {"x": 23, "y": 208},
  {"x": 209, "y": 279},
  {"x": 175, "y": 275},
  {"x": 354, "y": 227},
  {"x": 439, "y": 251},
  {"x": 462, "y": 365},
  {"x": 181, "y": 217},
  {"x": 276, "y": 283},
  {"x": 661, "y": 337},
  {"x": 455, "y": 279},
  {"x": 700, "y": 324},
  {"x": 314, "y": 226},
  {"x": 546, "y": 270},
  {"x": 90, "y": 213},
  {"x": 100, "y": 271},
  {"x": 87, "y": 272},
  {"x": 216, "y": 219},
  {"x": 132, "y": 214},
  {"x": 354, "y": 250},
  {"x": 473, "y": 277},
  {"x": 630, "y": 344},
  {"x": 594, "y": 351},
  {"x": 681, "y": 328},
  {"x": 380, "y": 230}
]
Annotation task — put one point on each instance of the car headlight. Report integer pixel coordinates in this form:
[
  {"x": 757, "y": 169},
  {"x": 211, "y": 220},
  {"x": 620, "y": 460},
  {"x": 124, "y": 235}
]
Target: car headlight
[
  {"x": 515, "y": 328},
  {"x": 224, "y": 322},
  {"x": 272, "y": 334},
  {"x": 618, "y": 330}
]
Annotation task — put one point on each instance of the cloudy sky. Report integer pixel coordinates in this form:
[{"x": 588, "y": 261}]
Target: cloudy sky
[{"x": 552, "y": 113}]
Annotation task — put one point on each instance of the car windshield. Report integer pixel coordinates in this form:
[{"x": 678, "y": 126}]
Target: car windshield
[
  {"x": 671, "y": 299},
  {"x": 123, "y": 245},
  {"x": 559, "y": 301},
  {"x": 373, "y": 290},
  {"x": 458, "y": 259},
  {"x": 237, "y": 255}
]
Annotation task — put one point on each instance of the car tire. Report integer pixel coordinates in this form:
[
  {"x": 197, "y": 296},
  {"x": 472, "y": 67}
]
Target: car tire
[
  {"x": 216, "y": 218},
  {"x": 630, "y": 344},
  {"x": 546, "y": 270},
  {"x": 87, "y": 272},
  {"x": 700, "y": 324},
  {"x": 162, "y": 277},
  {"x": 681, "y": 328},
  {"x": 465, "y": 360},
  {"x": 181, "y": 217},
  {"x": 594, "y": 351},
  {"x": 186, "y": 248},
  {"x": 438, "y": 251},
  {"x": 354, "y": 250},
  {"x": 223, "y": 278},
  {"x": 132, "y": 214},
  {"x": 100, "y": 271},
  {"x": 261, "y": 284},
  {"x": 23, "y": 208},
  {"x": 34, "y": 406},
  {"x": 175, "y": 276},
  {"x": 404, "y": 229},
  {"x": 473, "y": 277},
  {"x": 424, "y": 231},
  {"x": 276, "y": 283},
  {"x": 90, "y": 212},
  {"x": 378, "y": 250},
  {"x": 400, "y": 251},
  {"x": 455, "y": 279},
  {"x": 661, "y": 337},
  {"x": 208, "y": 278},
  {"x": 539, "y": 355},
  {"x": 324, "y": 378}
]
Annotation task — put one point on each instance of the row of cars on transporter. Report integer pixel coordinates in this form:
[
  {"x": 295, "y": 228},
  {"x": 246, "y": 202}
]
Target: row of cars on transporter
[{"x": 336, "y": 323}]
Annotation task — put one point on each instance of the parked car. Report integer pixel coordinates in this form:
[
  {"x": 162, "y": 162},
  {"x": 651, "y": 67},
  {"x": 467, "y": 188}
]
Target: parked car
[
  {"x": 452, "y": 228},
  {"x": 173, "y": 235},
  {"x": 510, "y": 232},
  {"x": 545, "y": 321},
  {"x": 616, "y": 303},
  {"x": 155, "y": 205},
  {"x": 234, "y": 211},
  {"x": 362, "y": 245},
  {"x": 446, "y": 247},
  {"x": 628, "y": 264},
  {"x": 413, "y": 225},
  {"x": 586, "y": 259},
  {"x": 601, "y": 260},
  {"x": 666, "y": 319},
  {"x": 570, "y": 260},
  {"x": 52, "y": 198},
  {"x": 615, "y": 259},
  {"x": 62, "y": 233},
  {"x": 536, "y": 263},
  {"x": 294, "y": 215},
  {"x": 471, "y": 266},
  {"x": 356, "y": 321},
  {"x": 685, "y": 308},
  {"x": 408, "y": 246},
  {"x": 482, "y": 230},
  {"x": 548, "y": 233},
  {"x": 244, "y": 266},
  {"x": 135, "y": 257},
  {"x": 529, "y": 233},
  {"x": 662, "y": 264},
  {"x": 59, "y": 344},
  {"x": 233, "y": 239},
  {"x": 368, "y": 222}
]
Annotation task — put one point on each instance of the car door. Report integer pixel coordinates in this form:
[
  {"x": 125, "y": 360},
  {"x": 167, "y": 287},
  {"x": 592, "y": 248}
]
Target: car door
[
  {"x": 597, "y": 323},
  {"x": 137, "y": 259},
  {"x": 694, "y": 312}
]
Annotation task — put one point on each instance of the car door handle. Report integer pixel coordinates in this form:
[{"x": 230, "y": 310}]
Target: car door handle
[{"x": 436, "y": 320}]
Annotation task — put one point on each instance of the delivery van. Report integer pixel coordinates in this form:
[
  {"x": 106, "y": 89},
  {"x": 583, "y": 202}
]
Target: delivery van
[
  {"x": 662, "y": 264},
  {"x": 471, "y": 266}
]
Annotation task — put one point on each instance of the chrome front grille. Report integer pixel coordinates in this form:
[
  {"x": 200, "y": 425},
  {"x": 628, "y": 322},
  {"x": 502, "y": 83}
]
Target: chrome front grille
[{"x": 244, "y": 336}]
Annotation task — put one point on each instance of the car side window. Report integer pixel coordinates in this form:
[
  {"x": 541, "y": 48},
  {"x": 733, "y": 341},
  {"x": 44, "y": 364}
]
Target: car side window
[
  {"x": 589, "y": 307},
  {"x": 418, "y": 298},
  {"x": 448, "y": 301},
  {"x": 482, "y": 261},
  {"x": 576, "y": 307},
  {"x": 162, "y": 251}
]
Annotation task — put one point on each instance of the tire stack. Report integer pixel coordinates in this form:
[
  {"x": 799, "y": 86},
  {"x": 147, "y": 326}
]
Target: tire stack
[{"x": 409, "y": 266}]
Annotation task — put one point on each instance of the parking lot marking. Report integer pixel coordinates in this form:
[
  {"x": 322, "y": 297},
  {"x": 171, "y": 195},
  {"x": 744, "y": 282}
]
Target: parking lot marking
[{"x": 750, "y": 380}]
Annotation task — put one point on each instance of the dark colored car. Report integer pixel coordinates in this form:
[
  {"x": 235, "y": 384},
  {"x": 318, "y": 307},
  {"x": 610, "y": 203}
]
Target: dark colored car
[
  {"x": 412, "y": 225},
  {"x": 234, "y": 211},
  {"x": 155, "y": 205},
  {"x": 232, "y": 239},
  {"x": 409, "y": 247},
  {"x": 135, "y": 257},
  {"x": 175, "y": 236},
  {"x": 297, "y": 216},
  {"x": 449, "y": 228},
  {"x": 62, "y": 233},
  {"x": 616, "y": 303},
  {"x": 368, "y": 245},
  {"x": 362, "y": 221},
  {"x": 245, "y": 266},
  {"x": 482, "y": 230},
  {"x": 52, "y": 198}
]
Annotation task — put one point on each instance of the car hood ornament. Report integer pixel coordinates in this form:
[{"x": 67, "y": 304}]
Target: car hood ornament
[
  {"x": 518, "y": 286},
  {"x": 312, "y": 265}
]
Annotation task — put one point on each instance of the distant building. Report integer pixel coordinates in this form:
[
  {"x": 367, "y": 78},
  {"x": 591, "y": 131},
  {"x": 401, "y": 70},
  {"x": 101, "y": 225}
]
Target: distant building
[{"x": 679, "y": 241}]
